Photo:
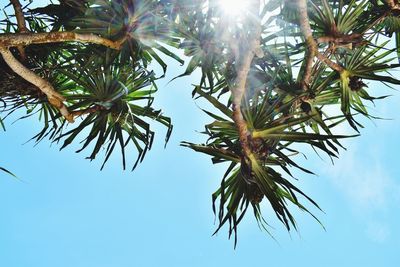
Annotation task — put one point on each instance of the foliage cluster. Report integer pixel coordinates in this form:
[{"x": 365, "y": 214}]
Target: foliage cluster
[{"x": 113, "y": 90}]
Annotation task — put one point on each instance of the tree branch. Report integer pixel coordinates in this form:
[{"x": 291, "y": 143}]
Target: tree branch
[
  {"x": 238, "y": 90},
  {"x": 55, "y": 99},
  {"x": 19, "y": 16},
  {"x": 351, "y": 38},
  {"x": 17, "y": 39},
  {"x": 89, "y": 110},
  {"x": 21, "y": 23},
  {"x": 312, "y": 46},
  {"x": 393, "y": 4},
  {"x": 329, "y": 63}
]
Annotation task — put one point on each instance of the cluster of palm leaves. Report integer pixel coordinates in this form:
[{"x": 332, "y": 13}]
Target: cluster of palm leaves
[
  {"x": 278, "y": 112},
  {"x": 112, "y": 91}
]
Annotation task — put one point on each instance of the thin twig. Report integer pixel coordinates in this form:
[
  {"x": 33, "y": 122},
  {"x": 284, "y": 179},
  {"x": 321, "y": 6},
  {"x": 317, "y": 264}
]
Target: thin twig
[{"x": 89, "y": 110}]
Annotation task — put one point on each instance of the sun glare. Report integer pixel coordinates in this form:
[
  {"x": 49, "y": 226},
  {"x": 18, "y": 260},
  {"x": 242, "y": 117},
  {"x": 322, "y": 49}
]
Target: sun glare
[{"x": 233, "y": 7}]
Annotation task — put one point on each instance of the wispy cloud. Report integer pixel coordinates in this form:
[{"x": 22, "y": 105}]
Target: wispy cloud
[
  {"x": 363, "y": 179},
  {"x": 370, "y": 190},
  {"x": 378, "y": 232}
]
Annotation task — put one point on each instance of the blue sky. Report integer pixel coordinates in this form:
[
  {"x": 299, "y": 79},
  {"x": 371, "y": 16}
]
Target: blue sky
[{"x": 66, "y": 212}]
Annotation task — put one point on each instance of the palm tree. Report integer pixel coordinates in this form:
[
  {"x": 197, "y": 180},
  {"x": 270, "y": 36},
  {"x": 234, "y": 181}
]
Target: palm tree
[{"x": 270, "y": 71}]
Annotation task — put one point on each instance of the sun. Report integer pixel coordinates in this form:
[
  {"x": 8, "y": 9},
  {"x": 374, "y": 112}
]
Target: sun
[{"x": 233, "y": 7}]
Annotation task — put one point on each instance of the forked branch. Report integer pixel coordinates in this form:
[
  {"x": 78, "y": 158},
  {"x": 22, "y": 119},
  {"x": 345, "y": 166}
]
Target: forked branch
[
  {"x": 53, "y": 96},
  {"x": 312, "y": 46},
  {"x": 24, "y": 38}
]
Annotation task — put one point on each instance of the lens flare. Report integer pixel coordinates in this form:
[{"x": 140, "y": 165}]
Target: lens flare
[{"x": 233, "y": 7}]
